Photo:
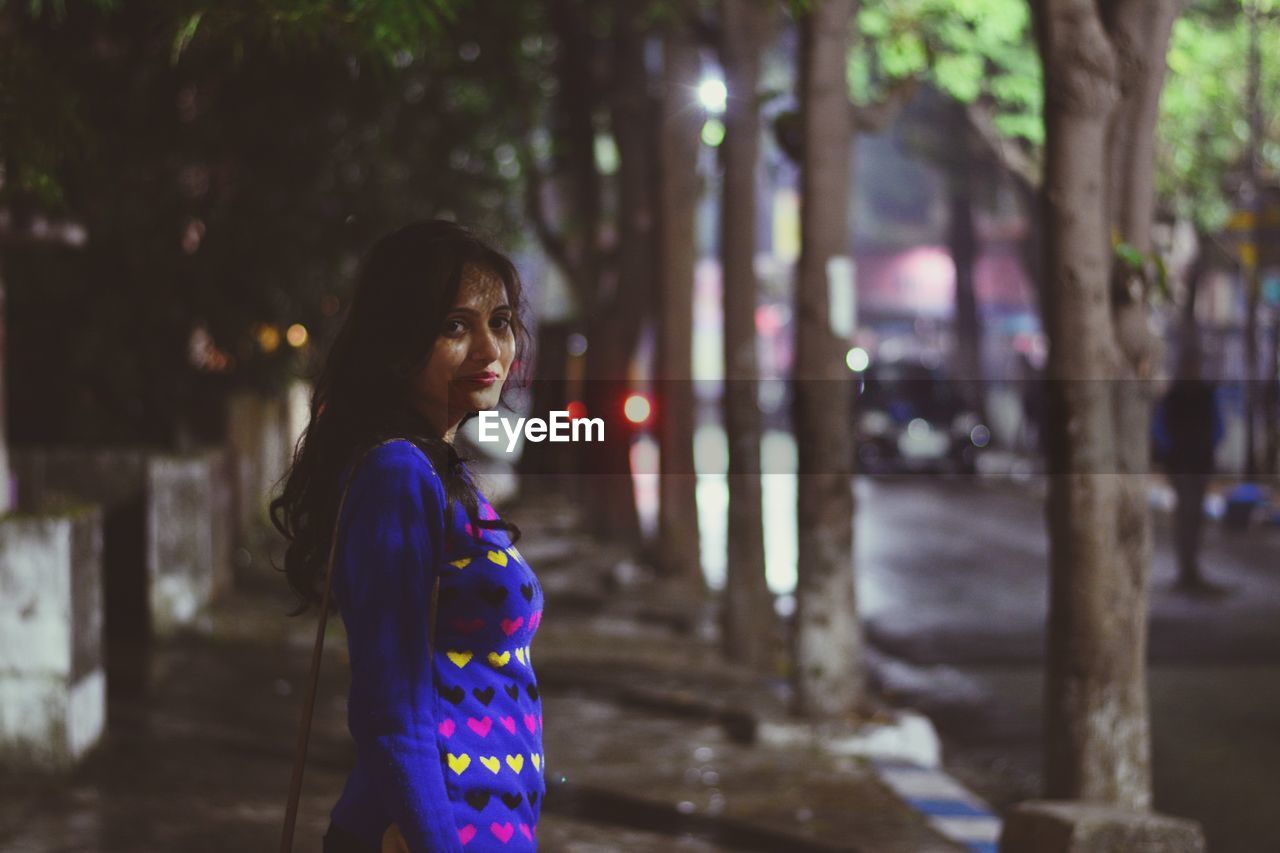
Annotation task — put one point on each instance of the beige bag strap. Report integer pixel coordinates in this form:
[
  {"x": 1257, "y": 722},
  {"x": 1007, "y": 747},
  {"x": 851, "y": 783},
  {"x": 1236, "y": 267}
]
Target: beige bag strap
[{"x": 304, "y": 726}]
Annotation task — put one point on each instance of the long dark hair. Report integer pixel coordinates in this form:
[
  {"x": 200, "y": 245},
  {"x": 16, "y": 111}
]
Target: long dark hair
[{"x": 407, "y": 284}]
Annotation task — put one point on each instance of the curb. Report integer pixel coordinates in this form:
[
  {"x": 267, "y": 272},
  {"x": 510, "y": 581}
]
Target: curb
[
  {"x": 906, "y": 754},
  {"x": 909, "y": 738},
  {"x": 951, "y": 809}
]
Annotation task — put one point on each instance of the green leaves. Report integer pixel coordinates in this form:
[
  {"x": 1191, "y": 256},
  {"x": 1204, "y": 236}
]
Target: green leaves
[
  {"x": 186, "y": 32},
  {"x": 970, "y": 49},
  {"x": 1203, "y": 130}
]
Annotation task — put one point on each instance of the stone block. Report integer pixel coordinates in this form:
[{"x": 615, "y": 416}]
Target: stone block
[
  {"x": 1068, "y": 826},
  {"x": 52, "y": 679},
  {"x": 182, "y": 533},
  {"x": 261, "y": 444}
]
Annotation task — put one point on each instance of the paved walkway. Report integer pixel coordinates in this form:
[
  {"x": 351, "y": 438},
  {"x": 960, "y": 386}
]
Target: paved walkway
[{"x": 648, "y": 737}]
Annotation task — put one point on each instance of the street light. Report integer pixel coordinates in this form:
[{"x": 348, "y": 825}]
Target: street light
[{"x": 713, "y": 95}]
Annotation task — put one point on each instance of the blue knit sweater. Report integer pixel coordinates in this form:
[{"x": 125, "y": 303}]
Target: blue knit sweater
[{"x": 448, "y": 745}]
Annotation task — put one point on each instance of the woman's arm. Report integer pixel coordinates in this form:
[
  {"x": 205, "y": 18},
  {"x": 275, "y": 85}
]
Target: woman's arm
[{"x": 391, "y": 539}]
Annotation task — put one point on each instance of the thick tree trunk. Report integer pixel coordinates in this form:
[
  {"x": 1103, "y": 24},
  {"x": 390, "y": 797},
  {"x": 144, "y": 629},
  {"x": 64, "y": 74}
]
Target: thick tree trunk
[
  {"x": 1098, "y": 182},
  {"x": 623, "y": 309},
  {"x": 680, "y": 133},
  {"x": 613, "y": 292},
  {"x": 827, "y": 642},
  {"x": 748, "y": 612}
]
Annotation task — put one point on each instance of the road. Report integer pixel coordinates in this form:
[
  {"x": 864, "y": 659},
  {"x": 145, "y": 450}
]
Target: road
[{"x": 952, "y": 581}]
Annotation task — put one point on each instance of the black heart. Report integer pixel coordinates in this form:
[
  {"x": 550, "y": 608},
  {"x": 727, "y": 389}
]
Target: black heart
[
  {"x": 513, "y": 690},
  {"x": 533, "y": 691},
  {"x": 485, "y": 696},
  {"x": 512, "y": 800},
  {"x": 526, "y": 589},
  {"x": 495, "y": 595},
  {"x": 476, "y": 799},
  {"x": 453, "y": 694},
  {"x": 533, "y": 798}
]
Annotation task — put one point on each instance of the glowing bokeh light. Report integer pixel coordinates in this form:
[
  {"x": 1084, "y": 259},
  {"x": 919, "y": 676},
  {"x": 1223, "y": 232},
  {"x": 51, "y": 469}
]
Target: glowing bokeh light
[
  {"x": 713, "y": 95},
  {"x": 637, "y": 408}
]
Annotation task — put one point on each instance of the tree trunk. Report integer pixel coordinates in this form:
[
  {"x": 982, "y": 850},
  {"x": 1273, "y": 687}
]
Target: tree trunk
[
  {"x": 962, "y": 240},
  {"x": 1271, "y": 401},
  {"x": 748, "y": 615},
  {"x": 6, "y": 488},
  {"x": 544, "y": 464},
  {"x": 678, "y": 552},
  {"x": 1098, "y": 170},
  {"x": 1252, "y": 268},
  {"x": 827, "y": 642}
]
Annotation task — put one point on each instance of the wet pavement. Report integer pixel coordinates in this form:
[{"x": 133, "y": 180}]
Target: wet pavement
[
  {"x": 647, "y": 741},
  {"x": 953, "y": 585}
]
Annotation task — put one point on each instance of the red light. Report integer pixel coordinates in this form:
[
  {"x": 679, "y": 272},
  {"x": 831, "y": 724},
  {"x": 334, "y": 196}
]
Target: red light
[
  {"x": 637, "y": 408},
  {"x": 576, "y": 409}
]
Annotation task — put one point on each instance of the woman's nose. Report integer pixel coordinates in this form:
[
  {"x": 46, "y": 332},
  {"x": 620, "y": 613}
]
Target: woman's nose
[{"x": 486, "y": 346}]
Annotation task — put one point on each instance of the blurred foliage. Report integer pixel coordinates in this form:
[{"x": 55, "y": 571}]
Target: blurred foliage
[
  {"x": 234, "y": 187},
  {"x": 973, "y": 50},
  {"x": 1204, "y": 114}
]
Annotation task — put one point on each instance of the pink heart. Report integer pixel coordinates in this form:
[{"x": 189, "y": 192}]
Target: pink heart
[
  {"x": 531, "y": 722},
  {"x": 467, "y": 833},
  {"x": 510, "y": 627},
  {"x": 446, "y": 728},
  {"x": 524, "y": 827},
  {"x": 509, "y": 723},
  {"x": 540, "y": 723},
  {"x": 480, "y": 726},
  {"x": 535, "y": 620},
  {"x": 503, "y": 831}
]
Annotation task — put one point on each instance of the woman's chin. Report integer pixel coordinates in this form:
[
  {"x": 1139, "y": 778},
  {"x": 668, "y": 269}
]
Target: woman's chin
[{"x": 480, "y": 401}]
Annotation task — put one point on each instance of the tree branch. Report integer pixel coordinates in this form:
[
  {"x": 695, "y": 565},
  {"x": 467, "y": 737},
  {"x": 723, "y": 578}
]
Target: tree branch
[
  {"x": 1012, "y": 156},
  {"x": 875, "y": 117}
]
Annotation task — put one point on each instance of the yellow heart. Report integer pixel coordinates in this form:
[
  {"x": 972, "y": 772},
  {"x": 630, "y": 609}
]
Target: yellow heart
[
  {"x": 492, "y": 762},
  {"x": 513, "y": 552},
  {"x": 462, "y": 563},
  {"x": 515, "y": 762},
  {"x": 520, "y": 655},
  {"x": 497, "y": 557},
  {"x": 537, "y": 763},
  {"x": 499, "y": 659},
  {"x": 460, "y": 659},
  {"x": 458, "y": 763}
]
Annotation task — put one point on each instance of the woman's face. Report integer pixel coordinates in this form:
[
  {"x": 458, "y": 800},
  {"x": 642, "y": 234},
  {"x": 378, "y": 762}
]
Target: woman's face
[{"x": 472, "y": 354}]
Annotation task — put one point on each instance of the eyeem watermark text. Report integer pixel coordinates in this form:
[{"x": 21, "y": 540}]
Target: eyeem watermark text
[{"x": 559, "y": 428}]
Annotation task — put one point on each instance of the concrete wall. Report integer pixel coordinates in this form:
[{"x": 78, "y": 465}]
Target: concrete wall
[
  {"x": 161, "y": 576},
  {"x": 52, "y": 680},
  {"x": 183, "y": 497},
  {"x": 258, "y": 433}
]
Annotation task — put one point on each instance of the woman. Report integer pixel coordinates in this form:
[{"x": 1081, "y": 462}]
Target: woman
[{"x": 448, "y": 728}]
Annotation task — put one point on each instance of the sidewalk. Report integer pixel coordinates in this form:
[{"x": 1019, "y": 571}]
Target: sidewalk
[{"x": 651, "y": 743}]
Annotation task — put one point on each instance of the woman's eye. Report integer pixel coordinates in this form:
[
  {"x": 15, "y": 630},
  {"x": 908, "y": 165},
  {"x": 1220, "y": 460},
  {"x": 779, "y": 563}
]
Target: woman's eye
[
  {"x": 453, "y": 327},
  {"x": 501, "y": 322}
]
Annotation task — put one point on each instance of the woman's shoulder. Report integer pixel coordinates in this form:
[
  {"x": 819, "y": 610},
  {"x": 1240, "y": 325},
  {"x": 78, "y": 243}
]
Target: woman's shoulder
[{"x": 395, "y": 463}]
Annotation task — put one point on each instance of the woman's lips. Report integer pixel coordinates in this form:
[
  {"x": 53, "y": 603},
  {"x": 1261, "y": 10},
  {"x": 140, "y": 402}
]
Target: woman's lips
[{"x": 485, "y": 379}]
